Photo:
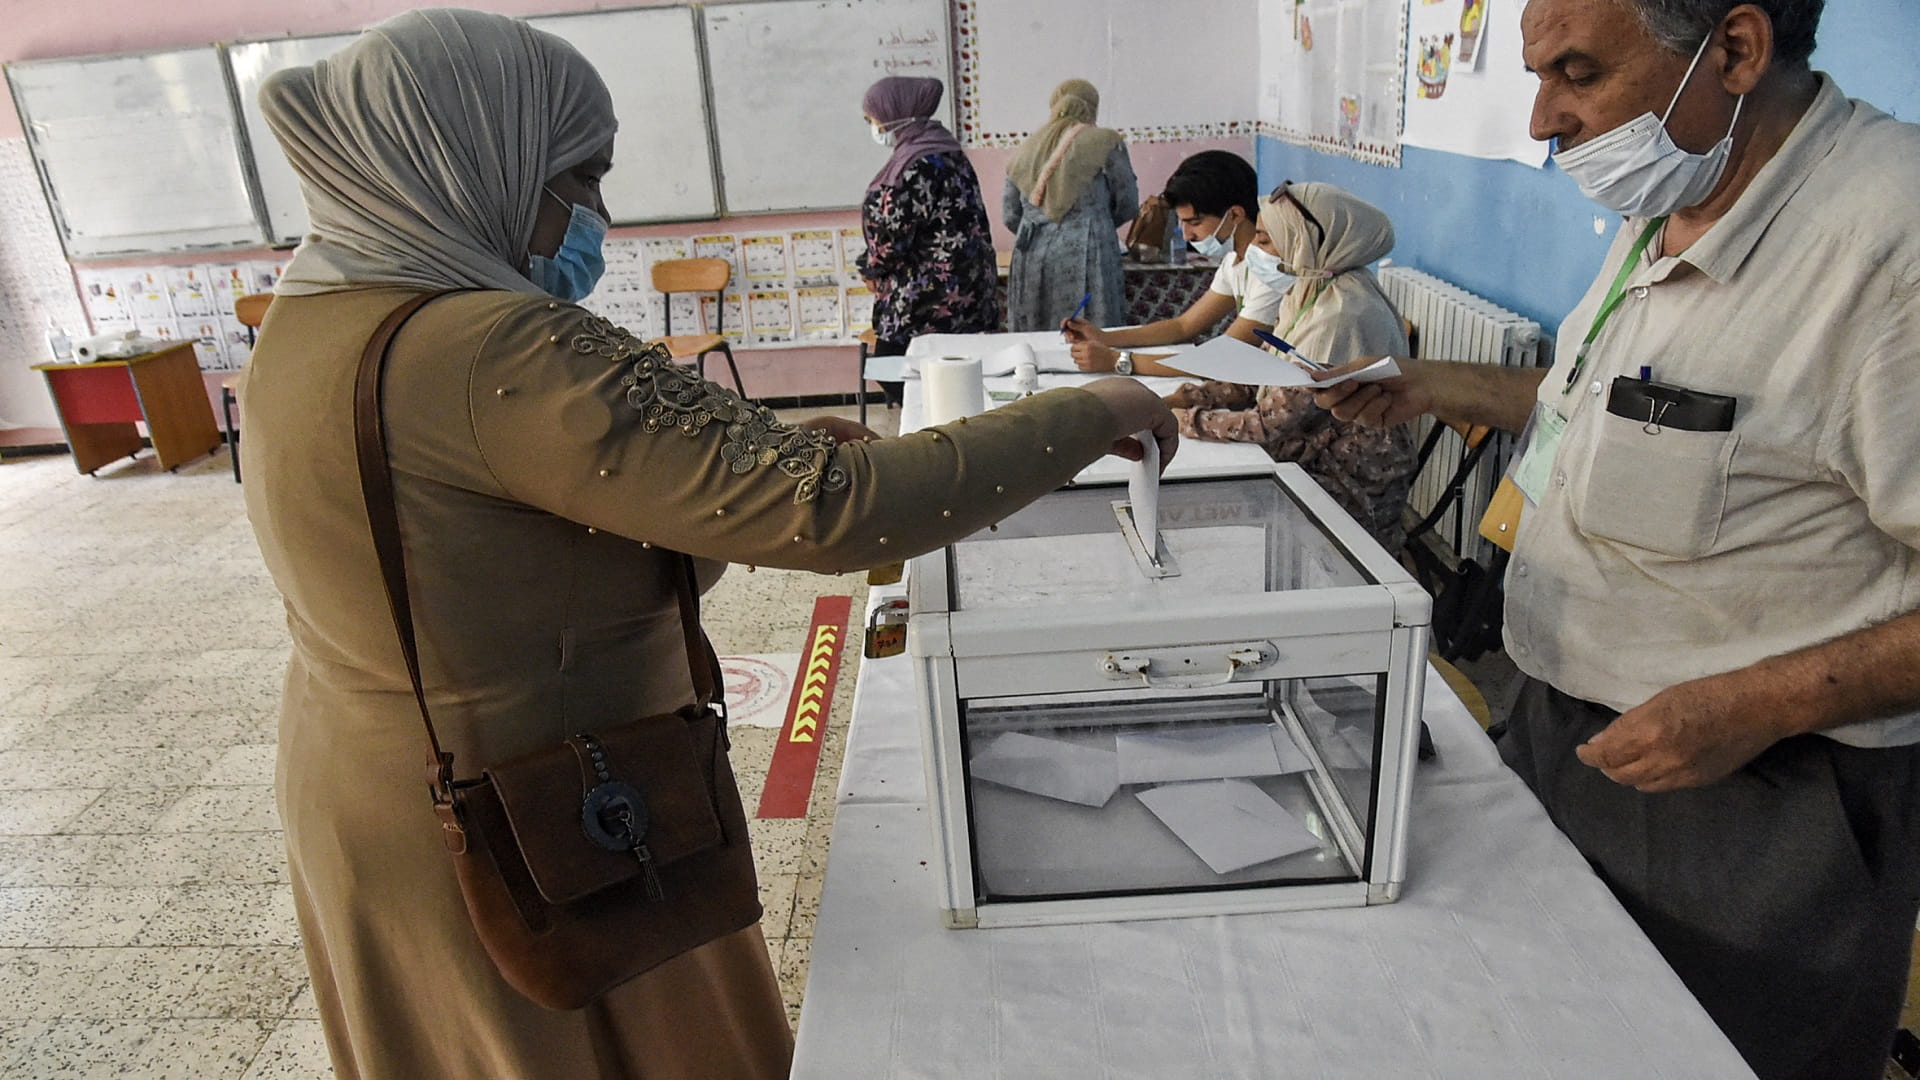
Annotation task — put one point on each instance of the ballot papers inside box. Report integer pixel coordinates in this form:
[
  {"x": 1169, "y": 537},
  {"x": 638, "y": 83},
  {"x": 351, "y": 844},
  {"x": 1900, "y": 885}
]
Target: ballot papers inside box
[{"x": 1224, "y": 722}]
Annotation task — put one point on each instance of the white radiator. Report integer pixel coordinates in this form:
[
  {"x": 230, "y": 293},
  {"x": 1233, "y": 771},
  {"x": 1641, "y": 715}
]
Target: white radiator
[{"x": 1453, "y": 324}]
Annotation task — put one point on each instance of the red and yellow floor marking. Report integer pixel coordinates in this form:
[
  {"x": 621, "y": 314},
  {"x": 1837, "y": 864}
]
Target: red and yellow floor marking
[{"x": 796, "y": 756}]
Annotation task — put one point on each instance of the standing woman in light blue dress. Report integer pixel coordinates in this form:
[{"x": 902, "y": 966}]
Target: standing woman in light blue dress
[{"x": 1068, "y": 192}]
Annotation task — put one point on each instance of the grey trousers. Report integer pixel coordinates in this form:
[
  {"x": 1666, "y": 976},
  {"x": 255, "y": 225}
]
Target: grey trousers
[{"x": 1783, "y": 895}]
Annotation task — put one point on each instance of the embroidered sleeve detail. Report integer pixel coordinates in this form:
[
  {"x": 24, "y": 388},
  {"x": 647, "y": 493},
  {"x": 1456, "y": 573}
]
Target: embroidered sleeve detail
[{"x": 668, "y": 395}]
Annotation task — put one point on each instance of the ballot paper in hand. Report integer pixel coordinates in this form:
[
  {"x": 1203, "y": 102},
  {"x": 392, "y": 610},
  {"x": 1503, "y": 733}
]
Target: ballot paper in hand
[
  {"x": 1227, "y": 359},
  {"x": 1230, "y": 824},
  {"x": 1143, "y": 495},
  {"x": 1208, "y": 753},
  {"x": 1060, "y": 770}
]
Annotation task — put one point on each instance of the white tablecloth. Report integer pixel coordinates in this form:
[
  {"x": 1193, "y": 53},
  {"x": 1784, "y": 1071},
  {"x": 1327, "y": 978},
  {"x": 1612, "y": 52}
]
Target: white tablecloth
[
  {"x": 1193, "y": 457},
  {"x": 1505, "y": 956}
]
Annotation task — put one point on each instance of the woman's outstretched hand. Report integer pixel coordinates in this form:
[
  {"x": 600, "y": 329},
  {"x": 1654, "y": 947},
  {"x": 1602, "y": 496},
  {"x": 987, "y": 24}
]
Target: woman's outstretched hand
[{"x": 1136, "y": 408}]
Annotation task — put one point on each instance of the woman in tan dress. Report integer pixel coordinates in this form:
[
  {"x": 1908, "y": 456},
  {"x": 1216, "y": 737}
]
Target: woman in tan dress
[{"x": 546, "y": 464}]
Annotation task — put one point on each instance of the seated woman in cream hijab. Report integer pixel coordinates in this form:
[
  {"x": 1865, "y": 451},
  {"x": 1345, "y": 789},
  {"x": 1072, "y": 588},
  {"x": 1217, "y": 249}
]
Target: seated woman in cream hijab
[
  {"x": 1335, "y": 313},
  {"x": 547, "y": 466}
]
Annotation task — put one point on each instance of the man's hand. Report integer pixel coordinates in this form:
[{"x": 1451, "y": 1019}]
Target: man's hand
[
  {"x": 1184, "y": 397},
  {"x": 1687, "y": 735},
  {"x": 841, "y": 429},
  {"x": 1378, "y": 404},
  {"x": 1094, "y": 357},
  {"x": 1079, "y": 330}
]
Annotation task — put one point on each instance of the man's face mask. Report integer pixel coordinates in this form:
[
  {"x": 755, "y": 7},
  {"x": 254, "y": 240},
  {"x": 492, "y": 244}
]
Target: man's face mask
[
  {"x": 1213, "y": 246},
  {"x": 1636, "y": 169},
  {"x": 573, "y": 271}
]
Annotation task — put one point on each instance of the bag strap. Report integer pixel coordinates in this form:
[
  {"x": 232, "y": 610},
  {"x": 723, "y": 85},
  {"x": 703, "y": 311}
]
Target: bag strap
[{"x": 376, "y": 487}]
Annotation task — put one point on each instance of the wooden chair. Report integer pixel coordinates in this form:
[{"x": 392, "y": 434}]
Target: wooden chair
[
  {"x": 697, "y": 276},
  {"x": 251, "y": 310}
]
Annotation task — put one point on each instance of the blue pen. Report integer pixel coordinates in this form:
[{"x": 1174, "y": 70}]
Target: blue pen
[
  {"x": 1646, "y": 373},
  {"x": 1288, "y": 350},
  {"x": 1082, "y": 309}
]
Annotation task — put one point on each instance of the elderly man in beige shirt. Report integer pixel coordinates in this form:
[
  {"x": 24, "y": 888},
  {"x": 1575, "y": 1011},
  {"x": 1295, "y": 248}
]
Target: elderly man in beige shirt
[{"x": 1714, "y": 583}]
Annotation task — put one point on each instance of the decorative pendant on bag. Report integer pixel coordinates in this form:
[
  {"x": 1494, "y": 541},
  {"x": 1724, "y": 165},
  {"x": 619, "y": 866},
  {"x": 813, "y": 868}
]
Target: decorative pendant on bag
[{"x": 614, "y": 815}]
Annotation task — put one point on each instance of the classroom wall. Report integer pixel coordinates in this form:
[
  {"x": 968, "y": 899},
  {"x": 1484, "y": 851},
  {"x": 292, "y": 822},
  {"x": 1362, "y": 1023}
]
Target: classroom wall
[
  {"x": 1526, "y": 238},
  {"x": 34, "y": 281}
]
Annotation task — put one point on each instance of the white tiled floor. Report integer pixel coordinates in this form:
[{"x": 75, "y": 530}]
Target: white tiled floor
[{"x": 146, "y": 927}]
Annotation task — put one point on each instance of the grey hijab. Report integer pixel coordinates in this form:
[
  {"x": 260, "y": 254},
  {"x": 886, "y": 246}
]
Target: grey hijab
[{"x": 422, "y": 148}]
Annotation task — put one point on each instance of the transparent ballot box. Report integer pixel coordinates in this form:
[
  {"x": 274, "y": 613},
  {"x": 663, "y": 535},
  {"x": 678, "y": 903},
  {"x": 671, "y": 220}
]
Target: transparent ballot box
[{"x": 1227, "y": 722}]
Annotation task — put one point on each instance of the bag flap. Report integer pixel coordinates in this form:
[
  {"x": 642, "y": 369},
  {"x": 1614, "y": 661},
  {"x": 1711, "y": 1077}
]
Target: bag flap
[{"x": 667, "y": 759}]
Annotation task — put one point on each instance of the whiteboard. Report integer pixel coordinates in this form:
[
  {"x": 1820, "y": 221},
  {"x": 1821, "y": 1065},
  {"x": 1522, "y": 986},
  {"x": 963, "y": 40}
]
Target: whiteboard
[
  {"x": 1165, "y": 71},
  {"x": 663, "y": 157},
  {"x": 787, "y": 79},
  {"x": 286, "y": 211},
  {"x": 138, "y": 154}
]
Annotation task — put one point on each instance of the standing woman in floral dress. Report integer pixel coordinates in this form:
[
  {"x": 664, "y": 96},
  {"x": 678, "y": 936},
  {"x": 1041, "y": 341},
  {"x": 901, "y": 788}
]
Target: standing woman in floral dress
[{"x": 929, "y": 256}]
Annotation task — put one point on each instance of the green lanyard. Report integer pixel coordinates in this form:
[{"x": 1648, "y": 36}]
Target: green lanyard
[
  {"x": 1615, "y": 294},
  {"x": 1300, "y": 312}
]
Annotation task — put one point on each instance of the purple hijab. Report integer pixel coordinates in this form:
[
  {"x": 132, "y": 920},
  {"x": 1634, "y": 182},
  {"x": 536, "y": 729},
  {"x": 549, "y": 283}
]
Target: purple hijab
[{"x": 908, "y": 103}]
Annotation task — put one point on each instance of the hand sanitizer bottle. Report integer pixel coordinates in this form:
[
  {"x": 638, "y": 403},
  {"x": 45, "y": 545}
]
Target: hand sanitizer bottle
[{"x": 1176, "y": 241}]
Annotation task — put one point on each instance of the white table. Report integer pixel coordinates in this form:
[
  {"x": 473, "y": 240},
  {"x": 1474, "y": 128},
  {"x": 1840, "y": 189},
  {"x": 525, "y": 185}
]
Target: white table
[
  {"x": 1192, "y": 459},
  {"x": 1505, "y": 957}
]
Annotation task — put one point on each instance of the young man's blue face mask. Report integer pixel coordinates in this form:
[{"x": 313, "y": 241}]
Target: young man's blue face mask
[{"x": 573, "y": 271}]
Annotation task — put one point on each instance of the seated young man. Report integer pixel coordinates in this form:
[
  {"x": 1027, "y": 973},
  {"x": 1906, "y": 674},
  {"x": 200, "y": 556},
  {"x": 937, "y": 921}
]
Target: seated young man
[{"x": 1215, "y": 194}]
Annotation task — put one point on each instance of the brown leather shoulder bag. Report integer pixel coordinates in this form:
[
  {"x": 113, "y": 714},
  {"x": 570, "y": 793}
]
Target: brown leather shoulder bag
[{"x": 589, "y": 862}]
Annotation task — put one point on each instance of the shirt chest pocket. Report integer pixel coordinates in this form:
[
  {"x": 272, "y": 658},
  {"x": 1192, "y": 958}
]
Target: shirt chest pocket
[{"x": 1662, "y": 489}]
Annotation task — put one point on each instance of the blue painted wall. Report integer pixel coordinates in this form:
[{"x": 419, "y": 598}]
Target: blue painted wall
[{"x": 1524, "y": 237}]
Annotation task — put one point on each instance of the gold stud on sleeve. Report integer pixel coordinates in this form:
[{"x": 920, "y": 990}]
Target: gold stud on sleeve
[
  {"x": 591, "y": 530},
  {"x": 553, "y": 306},
  {"x": 883, "y": 539},
  {"x": 797, "y": 540},
  {"x": 722, "y": 512},
  {"x": 554, "y": 339},
  {"x": 999, "y": 489},
  {"x": 946, "y": 513},
  {"x": 646, "y": 543},
  {"x": 1049, "y": 449},
  {"x": 604, "y": 473},
  {"x": 502, "y": 392}
]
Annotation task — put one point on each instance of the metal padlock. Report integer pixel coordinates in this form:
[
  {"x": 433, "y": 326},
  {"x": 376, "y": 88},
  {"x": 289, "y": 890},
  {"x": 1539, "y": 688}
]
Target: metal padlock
[{"x": 887, "y": 630}]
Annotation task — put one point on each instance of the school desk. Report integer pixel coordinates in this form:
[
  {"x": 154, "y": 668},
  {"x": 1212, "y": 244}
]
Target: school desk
[{"x": 101, "y": 402}]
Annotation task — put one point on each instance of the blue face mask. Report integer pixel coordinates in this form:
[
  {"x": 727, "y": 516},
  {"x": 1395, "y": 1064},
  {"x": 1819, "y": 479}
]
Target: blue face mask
[{"x": 575, "y": 269}]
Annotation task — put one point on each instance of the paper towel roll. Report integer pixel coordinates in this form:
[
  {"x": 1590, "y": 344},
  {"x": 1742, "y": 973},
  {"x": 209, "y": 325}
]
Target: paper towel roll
[{"x": 953, "y": 388}]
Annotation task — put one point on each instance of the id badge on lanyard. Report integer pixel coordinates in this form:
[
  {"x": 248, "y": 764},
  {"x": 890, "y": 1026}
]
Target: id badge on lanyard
[{"x": 1534, "y": 469}]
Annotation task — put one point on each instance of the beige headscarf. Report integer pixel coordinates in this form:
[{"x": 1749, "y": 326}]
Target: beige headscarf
[
  {"x": 1055, "y": 164},
  {"x": 1335, "y": 312},
  {"x": 422, "y": 148}
]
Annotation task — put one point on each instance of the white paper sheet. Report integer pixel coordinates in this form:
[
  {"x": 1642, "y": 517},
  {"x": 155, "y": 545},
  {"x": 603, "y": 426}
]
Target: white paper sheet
[
  {"x": 1066, "y": 771},
  {"x": 1143, "y": 494},
  {"x": 1230, "y": 824},
  {"x": 1226, "y": 359},
  {"x": 1208, "y": 753}
]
